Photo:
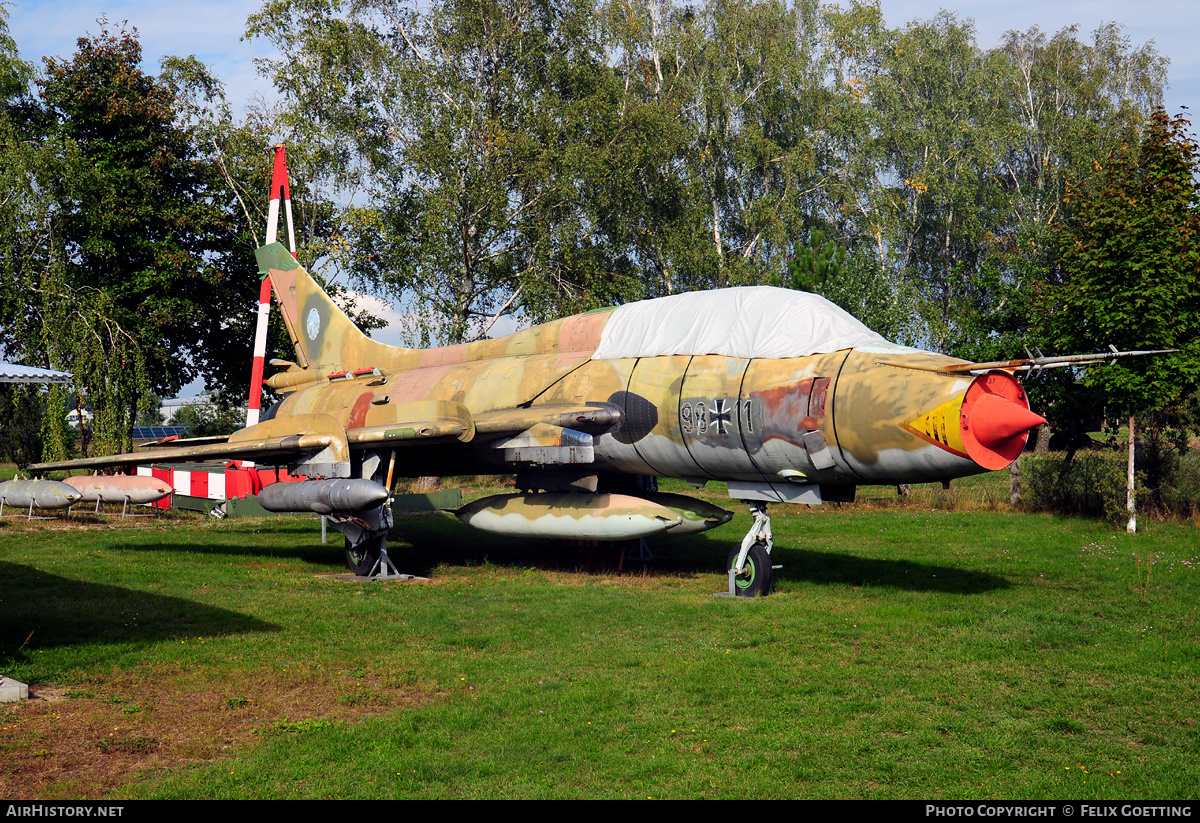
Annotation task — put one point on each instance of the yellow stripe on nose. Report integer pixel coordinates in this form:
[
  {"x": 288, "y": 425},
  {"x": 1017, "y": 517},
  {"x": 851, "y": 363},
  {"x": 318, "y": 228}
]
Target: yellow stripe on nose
[{"x": 940, "y": 426}]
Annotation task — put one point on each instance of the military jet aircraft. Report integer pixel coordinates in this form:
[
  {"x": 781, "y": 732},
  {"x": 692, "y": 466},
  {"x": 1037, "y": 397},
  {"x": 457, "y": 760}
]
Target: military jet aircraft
[{"x": 780, "y": 393}]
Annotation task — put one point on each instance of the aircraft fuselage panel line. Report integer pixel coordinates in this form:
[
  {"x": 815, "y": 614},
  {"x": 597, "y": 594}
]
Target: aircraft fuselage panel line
[{"x": 833, "y": 416}]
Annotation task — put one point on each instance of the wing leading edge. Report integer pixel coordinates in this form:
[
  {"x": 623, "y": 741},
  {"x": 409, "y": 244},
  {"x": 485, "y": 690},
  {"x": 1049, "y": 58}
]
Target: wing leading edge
[{"x": 319, "y": 444}]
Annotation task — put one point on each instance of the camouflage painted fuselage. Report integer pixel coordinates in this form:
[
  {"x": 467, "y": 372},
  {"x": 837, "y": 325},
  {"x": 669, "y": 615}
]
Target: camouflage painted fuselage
[
  {"x": 883, "y": 415},
  {"x": 769, "y": 389},
  {"x": 780, "y": 393}
]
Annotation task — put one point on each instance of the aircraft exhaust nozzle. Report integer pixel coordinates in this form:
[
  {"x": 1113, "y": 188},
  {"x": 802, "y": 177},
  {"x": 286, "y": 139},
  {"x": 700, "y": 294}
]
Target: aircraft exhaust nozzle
[
  {"x": 323, "y": 496},
  {"x": 995, "y": 420}
]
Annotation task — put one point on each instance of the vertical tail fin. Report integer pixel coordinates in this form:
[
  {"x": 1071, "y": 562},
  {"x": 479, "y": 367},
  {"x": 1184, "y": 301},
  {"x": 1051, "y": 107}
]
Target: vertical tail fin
[{"x": 324, "y": 337}]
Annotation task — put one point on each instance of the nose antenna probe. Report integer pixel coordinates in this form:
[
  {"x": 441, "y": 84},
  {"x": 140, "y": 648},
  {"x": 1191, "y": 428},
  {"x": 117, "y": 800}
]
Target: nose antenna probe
[{"x": 1031, "y": 363}]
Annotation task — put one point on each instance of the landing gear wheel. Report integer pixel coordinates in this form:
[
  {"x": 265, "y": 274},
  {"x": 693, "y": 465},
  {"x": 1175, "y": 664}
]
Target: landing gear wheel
[
  {"x": 362, "y": 558},
  {"x": 755, "y": 578}
]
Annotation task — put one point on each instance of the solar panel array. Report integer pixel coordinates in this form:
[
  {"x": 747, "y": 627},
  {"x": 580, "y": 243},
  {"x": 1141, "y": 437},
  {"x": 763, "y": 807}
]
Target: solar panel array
[{"x": 158, "y": 432}]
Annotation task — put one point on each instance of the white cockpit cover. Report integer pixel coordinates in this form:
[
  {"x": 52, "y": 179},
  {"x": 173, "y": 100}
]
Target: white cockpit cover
[{"x": 746, "y": 322}]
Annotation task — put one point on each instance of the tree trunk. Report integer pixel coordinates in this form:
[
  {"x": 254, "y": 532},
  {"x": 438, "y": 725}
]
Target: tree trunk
[
  {"x": 1072, "y": 444},
  {"x": 1014, "y": 482},
  {"x": 1130, "y": 500},
  {"x": 83, "y": 440},
  {"x": 1043, "y": 439}
]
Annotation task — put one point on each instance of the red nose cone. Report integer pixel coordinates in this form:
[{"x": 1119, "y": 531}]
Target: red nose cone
[{"x": 995, "y": 420}]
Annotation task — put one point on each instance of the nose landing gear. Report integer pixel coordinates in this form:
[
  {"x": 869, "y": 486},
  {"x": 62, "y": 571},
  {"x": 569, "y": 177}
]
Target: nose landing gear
[{"x": 750, "y": 570}]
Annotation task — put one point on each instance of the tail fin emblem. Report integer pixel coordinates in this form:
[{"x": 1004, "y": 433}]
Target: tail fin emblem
[{"x": 313, "y": 324}]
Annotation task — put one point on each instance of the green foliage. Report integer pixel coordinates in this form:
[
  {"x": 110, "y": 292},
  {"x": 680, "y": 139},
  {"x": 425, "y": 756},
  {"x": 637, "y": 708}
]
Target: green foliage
[
  {"x": 15, "y": 73},
  {"x": 1129, "y": 267},
  {"x": 535, "y": 159},
  {"x": 1180, "y": 492},
  {"x": 22, "y": 408},
  {"x": 57, "y": 436},
  {"x": 937, "y": 97},
  {"x": 123, "y": 259},
  {"x": 456, "y": 120},
  {"x": 142, "y": 212},
  {"x": 205, "y": 419},
  {"x": 152, "y": 414},
  {"x": 107, "y": 360},
  {"x": 816, "y": 264},
  {"x": 854, "y": 283},
  {"x": 539, "y": 159},
  {"x": 1093, "y": 483}
]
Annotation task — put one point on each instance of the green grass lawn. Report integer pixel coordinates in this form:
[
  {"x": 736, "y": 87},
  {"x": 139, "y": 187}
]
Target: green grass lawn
[{"x": 908, "y": 653}]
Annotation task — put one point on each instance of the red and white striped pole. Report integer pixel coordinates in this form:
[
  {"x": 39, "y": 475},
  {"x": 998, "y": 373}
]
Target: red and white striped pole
[
  {"x": 279, "y": 187},
  {"x": 279, "y": 181}
]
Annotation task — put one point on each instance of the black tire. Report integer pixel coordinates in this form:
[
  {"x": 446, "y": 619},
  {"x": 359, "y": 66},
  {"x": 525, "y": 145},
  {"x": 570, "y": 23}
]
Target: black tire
[
  {"x": 755, "y": 581},
  {"x": 362, "y": 558}
]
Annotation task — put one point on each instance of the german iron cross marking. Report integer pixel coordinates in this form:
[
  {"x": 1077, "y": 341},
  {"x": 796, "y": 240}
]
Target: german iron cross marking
[{"x": 722, "y": 415}]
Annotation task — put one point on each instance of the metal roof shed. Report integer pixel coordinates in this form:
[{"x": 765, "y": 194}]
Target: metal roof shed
[{"x": 12, "y": 373}]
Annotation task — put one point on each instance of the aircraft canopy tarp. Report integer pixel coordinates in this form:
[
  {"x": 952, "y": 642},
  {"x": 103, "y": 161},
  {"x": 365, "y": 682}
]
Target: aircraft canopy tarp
[
  {"x": 746, "y": 322},
  {"x": 12, "y": 373}
]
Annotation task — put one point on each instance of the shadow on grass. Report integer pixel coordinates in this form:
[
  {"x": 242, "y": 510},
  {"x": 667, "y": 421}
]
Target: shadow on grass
[
  {"x": 64, "y": 612},
  {"x": 847, "y": 569},
  {"x": 419, "y": 543},
  {"x": 426, "y": 541},
  {"x": 286, "y": 540}
]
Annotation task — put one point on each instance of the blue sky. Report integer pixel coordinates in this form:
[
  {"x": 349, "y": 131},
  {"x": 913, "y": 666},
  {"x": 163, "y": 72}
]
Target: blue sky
[{"x": 212, "y": 30}]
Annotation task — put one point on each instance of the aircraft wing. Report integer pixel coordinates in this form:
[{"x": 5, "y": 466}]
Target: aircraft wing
[
  {"x": 316, "y": 439},
  {"x": 253, "y": 450},
  {"x": 176, "y": 442},
  {"x": 321, "y": 442},
  {"x": 447, "y": 420}
]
